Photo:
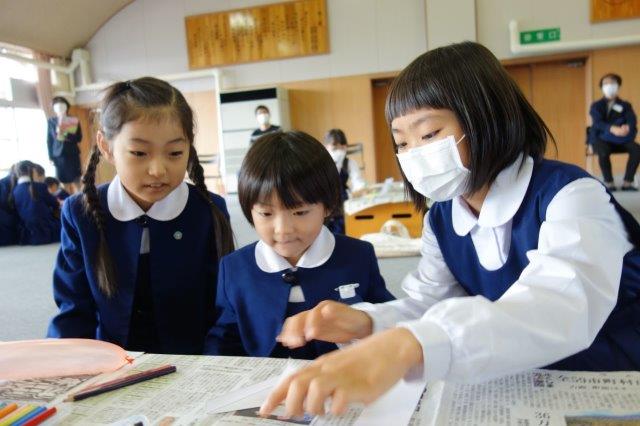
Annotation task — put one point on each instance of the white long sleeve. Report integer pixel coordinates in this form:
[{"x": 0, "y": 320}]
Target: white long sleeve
[{"x": 555, "y": 308}]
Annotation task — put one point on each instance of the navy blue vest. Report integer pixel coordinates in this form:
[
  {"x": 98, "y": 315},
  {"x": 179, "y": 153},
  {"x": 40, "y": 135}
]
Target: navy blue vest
[
  {"x": 617, "y": 345},
  {"x": 252, "y": 304}
]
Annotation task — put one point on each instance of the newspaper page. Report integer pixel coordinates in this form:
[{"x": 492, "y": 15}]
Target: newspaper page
[
  {"x": 536, "y": 398},
  {"x": 177, "y": 398},
  {"x": 38, "y": 391}
]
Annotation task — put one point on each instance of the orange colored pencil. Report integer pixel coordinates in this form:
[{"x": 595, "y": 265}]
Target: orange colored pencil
[{"x": 9, "y": 408}]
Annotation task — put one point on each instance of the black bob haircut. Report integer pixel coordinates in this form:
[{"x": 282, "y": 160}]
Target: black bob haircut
[
  {"x": 292, "y": 165},
  {"x": 49, "y": 180},
  {"x": 335, "y": 137},
  {"x": 261, "y": 107},
  {"x": 614, "y": 76},
  {"x": 466, "y": 78},
  {"x": 60, "y": 99}
]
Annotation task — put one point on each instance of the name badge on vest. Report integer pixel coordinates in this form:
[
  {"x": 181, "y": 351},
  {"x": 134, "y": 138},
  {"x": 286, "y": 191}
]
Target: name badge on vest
[
  {"x": 347, "y": 291},
  {"x": 617, "y": 108}
]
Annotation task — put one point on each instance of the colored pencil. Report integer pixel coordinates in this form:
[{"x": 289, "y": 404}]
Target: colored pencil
[
  {"x": 125, "y": 378},
  {"x": 6, "y": 410},
  {"x": 17, "y": 415},
  {"x": 29, "y": 416},
  {"x": 41, "y": 417},
  {"x": 120, "y": 383}
]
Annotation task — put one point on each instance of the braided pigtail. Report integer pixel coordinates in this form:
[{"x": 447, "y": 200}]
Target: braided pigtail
[
  {"x": 103, "y": 263},
  {"x": 223, "y": 241}
]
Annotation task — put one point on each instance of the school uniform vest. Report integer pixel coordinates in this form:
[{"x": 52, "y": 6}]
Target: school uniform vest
[
  {"x": 181, "y": 269},
  {"x": 8, "y": 215},
  {"x": 253, "y": 304},
  {"x": 617, "y": 345},
  {"x": 38, "y": 225}
]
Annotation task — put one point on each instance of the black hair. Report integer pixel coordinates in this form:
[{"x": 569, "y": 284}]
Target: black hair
[
  {"x": 614, "y": 76},
  {"x": 26, "y": 168},
  {"x": 60, "y": 99},
  {"x": 259, "y": 107},
  {"x": 335, "y": 137},
  {"x": 128, "y": 101},
  {"x": 294, "y": 166},
  {"x": 38, "y": 169},
  {"x": 466, "y": 78},
  {"x": 51, "y": 181}
]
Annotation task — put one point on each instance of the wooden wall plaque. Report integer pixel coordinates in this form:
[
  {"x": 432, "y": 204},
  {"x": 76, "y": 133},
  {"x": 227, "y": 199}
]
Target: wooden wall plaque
[
  {"x": 274, "y": 31},
  {"x": 607, "y": 10}
]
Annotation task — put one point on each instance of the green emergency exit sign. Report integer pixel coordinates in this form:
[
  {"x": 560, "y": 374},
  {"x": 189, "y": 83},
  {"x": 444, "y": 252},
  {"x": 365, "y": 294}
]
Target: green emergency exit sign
[{"x": 540, "y": 36}]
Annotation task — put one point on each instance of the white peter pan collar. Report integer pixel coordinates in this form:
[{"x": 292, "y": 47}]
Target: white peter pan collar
[
  {"x": 23, "y": 179},
  {"x": 501, "y": 203},
  {"x": 317, "y": 254},
  {"x": 123, "y": 208}
]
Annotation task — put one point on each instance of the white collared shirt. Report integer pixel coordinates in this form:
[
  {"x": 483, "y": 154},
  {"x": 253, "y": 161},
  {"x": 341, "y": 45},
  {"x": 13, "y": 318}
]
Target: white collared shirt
[
  {"x": 123, "y": 208},
  {"x": 555, "y": 308},
  {"x": 23, "y": 179},
  {"x": 316, "y": 255}
]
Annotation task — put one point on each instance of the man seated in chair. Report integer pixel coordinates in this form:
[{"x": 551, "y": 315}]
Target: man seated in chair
[{"x": 613, "y": 129}]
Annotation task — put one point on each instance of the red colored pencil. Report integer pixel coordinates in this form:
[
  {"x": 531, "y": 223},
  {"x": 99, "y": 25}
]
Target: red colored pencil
[
  {"x": 120, "y": 383},
  {"x": 41, "y": 417}
]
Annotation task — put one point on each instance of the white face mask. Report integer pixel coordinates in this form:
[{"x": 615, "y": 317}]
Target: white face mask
[
  {"x": 263, "y": 118},
  {"x": 435, "y": 170},
  {"x": 59, "y": 108},
  {"x": 338, "y": 155},
  {"x": 610, "y": 90}
]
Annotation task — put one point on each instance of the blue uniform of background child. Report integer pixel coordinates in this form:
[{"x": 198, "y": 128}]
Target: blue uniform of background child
[
  {"x": 526, "y": 262},
  {"x": 38, "y": 211},
  {"x": 8, "y": 215},
  {"x": 288, "y": 186},
  {"x": 138, "y": 261}
]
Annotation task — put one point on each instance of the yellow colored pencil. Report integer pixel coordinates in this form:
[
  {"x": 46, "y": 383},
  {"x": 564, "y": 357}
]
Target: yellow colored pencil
[{"x": 18, "y": 415}]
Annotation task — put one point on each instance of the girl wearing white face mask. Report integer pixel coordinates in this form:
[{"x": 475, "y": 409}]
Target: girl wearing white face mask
[
  {"x": 514, "y": 273},
  {"x": 351, "y": 179},
  {"x": 614, "y": 129},
  {"x": 63, "y": 136}
]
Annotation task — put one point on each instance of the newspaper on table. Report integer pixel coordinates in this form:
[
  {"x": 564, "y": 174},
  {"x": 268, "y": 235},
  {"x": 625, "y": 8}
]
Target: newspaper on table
[
  {"x": 200, "y": 382},
  {"x": 535, "y": 398}
]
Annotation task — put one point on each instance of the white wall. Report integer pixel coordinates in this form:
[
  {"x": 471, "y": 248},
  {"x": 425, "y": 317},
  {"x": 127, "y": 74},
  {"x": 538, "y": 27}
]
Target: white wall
[
  {"x": 148, "y": 38},
  {"x": 572, "y": 16},
  {"x": 450, "y": 21}
]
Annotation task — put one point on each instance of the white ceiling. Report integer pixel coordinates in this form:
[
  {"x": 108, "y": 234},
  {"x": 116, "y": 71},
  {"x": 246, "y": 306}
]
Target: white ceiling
[{"x": 55, "y": 27}]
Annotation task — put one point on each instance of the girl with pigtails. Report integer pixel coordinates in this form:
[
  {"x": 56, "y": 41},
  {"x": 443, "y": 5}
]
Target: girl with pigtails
[{"x": 138, "y": 260}]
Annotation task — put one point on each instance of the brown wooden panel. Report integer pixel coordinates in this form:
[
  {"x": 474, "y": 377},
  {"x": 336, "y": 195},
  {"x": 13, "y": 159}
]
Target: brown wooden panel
[
  {"x": 558, "y": 93},
  {"x": 341, "y": 102},
  {"x": 607, "y": 10},
  {"x": 522, "y": 76},
  {"x": 281, "y": 30},
  {"x": 386, "y": 164}
]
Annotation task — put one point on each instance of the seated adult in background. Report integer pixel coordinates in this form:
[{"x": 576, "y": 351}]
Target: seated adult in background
[{"x": 614, "y": 129}]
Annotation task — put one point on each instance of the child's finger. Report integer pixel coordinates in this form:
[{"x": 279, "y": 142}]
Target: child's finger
[
  {"x": 298, "y": 387},
  {"x": 277, "y": 395},
  {"x": 339, "y": 402},
  {"x": 292, "y": 334},
  {"x": 313, "y": 324},
  {"x": 320, "y": 388}
]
